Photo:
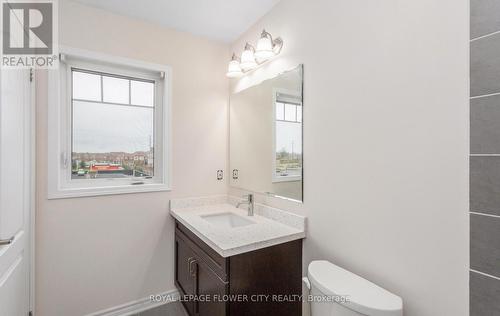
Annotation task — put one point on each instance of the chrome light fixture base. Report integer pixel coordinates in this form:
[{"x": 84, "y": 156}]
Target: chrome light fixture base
[{"x": 277, "y": 45}]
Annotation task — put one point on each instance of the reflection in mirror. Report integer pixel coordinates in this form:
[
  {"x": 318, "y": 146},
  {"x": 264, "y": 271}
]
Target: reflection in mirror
[{"x": 266, "y": 136}]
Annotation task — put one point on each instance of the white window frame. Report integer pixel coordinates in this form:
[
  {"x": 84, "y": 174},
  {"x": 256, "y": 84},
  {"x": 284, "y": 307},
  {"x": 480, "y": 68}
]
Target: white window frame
[
  {"x": 275, "y": 178},
  {"x": 60, "y": 184}
]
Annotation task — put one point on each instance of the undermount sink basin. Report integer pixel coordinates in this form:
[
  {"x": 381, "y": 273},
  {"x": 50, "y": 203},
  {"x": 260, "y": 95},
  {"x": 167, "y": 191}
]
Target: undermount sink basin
[{"x": 227, "y": 220}]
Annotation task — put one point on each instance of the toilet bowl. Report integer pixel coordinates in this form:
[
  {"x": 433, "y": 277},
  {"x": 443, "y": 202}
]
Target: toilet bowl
[{"x": 337, "y": 292}]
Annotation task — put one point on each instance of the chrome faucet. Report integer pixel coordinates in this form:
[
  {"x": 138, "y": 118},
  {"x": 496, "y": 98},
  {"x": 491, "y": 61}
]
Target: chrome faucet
[{"x": 249, "y": 201}]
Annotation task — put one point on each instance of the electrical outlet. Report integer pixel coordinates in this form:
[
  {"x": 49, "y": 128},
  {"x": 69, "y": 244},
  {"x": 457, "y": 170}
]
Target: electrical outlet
[
  {"x": 220, "y": 175},
  {"x": 235, "y": 174}
]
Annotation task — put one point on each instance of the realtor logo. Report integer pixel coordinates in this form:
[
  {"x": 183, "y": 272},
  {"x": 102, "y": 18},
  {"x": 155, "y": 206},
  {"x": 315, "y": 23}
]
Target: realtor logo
[{"x": 29, "y": 34}]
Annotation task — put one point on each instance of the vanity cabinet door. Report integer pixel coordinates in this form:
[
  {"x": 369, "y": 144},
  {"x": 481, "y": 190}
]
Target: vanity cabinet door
[
  {"x": 185, "y": 272},
  {"x": 210, "y": 289}
]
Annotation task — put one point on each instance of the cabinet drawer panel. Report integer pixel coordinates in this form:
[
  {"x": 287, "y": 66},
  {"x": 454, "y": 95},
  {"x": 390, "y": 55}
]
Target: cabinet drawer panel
[
  {"x": 184, "y": 278},
  {"x": 276, "y": 270},
  {"x": 209, "y": 284},
  {"x": 215, "y": 261}
]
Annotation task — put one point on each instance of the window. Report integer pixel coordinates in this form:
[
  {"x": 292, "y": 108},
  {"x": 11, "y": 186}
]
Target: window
[
  {"x": 112, "y": 128},
  {"x": 287, "y": 149}
]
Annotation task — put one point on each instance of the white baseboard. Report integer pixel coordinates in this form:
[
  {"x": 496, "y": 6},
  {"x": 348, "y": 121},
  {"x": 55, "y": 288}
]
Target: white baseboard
[{"x": 135, "y": 307}]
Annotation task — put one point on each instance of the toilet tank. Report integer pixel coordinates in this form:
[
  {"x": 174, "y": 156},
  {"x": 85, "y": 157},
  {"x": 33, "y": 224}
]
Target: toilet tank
[
  {"x": 338, "y": 292},
  {"x": 324, "y": 308}
]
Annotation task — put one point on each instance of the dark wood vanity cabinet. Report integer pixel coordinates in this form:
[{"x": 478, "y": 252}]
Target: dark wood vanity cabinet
[{"x": 261, "y": 282}]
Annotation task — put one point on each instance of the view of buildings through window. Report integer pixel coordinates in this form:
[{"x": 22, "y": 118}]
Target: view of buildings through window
[
  {"x": 288, "y": 139},
  {"x": 112, "y": 126}
]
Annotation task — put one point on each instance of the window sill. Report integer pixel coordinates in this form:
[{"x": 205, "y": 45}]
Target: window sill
[
  {"x": 287, "y": 179},
  {"x": 107, "y": 190}
]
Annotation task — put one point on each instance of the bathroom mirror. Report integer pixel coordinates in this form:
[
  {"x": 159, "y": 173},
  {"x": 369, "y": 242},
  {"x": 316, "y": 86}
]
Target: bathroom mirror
[{"x": 266, "y": 136}]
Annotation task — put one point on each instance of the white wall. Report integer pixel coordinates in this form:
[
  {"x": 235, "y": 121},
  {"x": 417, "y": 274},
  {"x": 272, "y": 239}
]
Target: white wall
[
  {"x": 94, "y": 253},
  {"x": 386, "y": 140}
]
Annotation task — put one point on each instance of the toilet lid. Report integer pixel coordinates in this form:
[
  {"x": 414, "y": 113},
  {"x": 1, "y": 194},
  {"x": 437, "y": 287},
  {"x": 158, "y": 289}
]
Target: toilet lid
[{"x": 363, "y": 296}]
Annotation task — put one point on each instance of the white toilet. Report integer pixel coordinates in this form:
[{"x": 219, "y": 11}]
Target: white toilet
[{"x": 329, "y": 284}]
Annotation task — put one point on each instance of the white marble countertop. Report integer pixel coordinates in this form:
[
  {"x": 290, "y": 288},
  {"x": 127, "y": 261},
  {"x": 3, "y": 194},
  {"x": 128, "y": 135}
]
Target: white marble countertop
[{"x": 270, "y": 226}]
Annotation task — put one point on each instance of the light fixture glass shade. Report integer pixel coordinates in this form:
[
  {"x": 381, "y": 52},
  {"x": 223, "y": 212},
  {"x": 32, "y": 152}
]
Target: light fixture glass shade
[
  {"x": 248, "y": 58},
  {"x": 234, "y": 69},
  {"x": 265, "y": 45}
]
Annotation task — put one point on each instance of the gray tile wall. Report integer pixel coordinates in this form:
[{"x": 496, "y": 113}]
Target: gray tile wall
[
  {"x": 485, "y": 244},
  {"x": 485, "y": 184},
  {"x": 484, "y": 295},
  {"x": 484, "y": 17},
  {"x": 485, "y": 158},
  {"x": 485, "y": 125}
]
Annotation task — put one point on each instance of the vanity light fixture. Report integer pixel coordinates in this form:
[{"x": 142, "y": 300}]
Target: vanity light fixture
[
  {"x": 251, "y": 58},
  {"x": 267, "y": 47},
  {"x": 234, "y": 68},
  {"x": 248, "y": 61}
]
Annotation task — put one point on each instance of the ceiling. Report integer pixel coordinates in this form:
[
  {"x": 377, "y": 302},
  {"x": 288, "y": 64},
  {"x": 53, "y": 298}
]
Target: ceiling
[{"x": 222, "y": 20}]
